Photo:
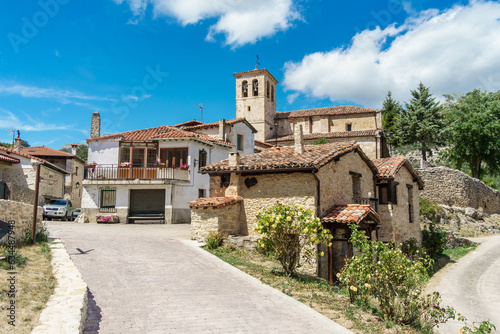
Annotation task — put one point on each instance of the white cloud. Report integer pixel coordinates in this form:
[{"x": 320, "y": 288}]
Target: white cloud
[
  {"x": 8, "y": 119},
  {"x": 455, "y": 50},
  {"x": 240, "y": 21}
]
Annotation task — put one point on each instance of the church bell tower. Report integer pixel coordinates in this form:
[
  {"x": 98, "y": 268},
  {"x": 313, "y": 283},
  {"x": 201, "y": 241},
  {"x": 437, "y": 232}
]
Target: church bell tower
[{"x": 256, "y": 100}]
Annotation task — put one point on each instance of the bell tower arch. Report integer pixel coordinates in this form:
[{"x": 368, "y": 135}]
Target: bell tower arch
[{"x": 254, "y": 102}]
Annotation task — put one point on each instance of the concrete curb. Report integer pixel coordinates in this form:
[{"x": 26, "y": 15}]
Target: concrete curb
[
  {"x": 66, "y": 310},
  {"x": 329, "y": 325}
]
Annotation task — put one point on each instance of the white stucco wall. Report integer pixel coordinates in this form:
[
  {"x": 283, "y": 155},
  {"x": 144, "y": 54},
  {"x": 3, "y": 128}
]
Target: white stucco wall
[{"x": 103, "y": 152}]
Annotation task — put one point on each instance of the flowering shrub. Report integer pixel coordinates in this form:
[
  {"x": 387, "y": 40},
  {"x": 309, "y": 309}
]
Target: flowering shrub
[
  {"x": 106, "y": 219},
  {"x": 289, "y": 231},
  {"x": 158, "y": 162},
  {"x": 183, "y": 166},
  {"x": 125, "y": 164}
]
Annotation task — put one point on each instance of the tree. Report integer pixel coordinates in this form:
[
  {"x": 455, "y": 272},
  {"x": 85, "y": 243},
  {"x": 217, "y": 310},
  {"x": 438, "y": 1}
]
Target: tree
[
  {"x": 81, "y": 151},
  {"x": 421, "y": 123},
  {"x": 390, "y": 112},
  {"x": 24, "y": 143},
  {"x": 474, "y": 131},
  {"x": 321, "y": 141},
  {"x": 290, "y": 233}
]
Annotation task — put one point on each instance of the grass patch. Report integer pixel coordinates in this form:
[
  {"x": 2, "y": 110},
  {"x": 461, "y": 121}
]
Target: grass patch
[
  {"x": 456, "y": 253},
  {"x": 34, "y": 283},
  {"x": 312, "y": 291}
]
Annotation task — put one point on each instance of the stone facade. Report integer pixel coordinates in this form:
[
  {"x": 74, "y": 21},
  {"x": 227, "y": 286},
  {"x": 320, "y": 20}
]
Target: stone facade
[
  {"x": 22, "y": 216},
  {"x": 454, "y": 188},
  {"x": 396, "y": 224},
  {"x": 95, "y": 125},
  {"x": 205, "y": 220}
]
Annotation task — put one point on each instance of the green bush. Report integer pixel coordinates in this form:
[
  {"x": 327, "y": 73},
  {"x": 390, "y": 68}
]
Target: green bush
[
  {"x": 434, "y": 239},
  {"x": 214, "y": 240},
  {"x": 289, "y": 232},
  {"x": 430, "y": 210},
  {"x": 321, "y": 141},
  {"x": 16, "y": 259}
]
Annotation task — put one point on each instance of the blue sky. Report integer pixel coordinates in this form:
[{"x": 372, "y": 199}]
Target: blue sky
[{"x": 144, "y": 63}]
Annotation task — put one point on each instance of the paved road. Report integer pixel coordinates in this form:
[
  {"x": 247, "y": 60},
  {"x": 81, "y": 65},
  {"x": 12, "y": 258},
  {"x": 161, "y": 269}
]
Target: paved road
[
  {"x": 150, "y": 279},
  {"x": 472, "y": 286}
]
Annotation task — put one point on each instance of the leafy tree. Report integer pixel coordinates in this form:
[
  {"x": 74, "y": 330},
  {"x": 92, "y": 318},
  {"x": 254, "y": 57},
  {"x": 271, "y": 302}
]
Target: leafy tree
[
  {"x": 290, "y": 233},
  {"x": 321, "y": 141},
  {"x": 24, "y": 143},
  {"x": 474, "y": 131},
  {"x": 6, "y": 145},
  {"x": 390, "y": 111},
  {"x": 421, "y": 123},
  {"x": 81, "y": 151}
]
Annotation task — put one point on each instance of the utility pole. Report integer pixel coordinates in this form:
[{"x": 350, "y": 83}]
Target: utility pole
[{"x": 35, "y": 206}]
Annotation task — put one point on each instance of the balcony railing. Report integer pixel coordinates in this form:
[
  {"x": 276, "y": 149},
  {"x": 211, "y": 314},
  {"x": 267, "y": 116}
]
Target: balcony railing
[
  {"x": 117, "y": 172},
  {"x": 365, "y": 200}
]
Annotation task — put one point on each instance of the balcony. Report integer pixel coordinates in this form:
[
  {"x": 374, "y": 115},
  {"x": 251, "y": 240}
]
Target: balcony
[
  {"x": 373, "y": 202},
  {"x": 117, "y": 172}
]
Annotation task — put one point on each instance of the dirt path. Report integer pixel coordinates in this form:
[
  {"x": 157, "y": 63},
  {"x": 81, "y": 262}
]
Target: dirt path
[{"x": 472, "y": 285}]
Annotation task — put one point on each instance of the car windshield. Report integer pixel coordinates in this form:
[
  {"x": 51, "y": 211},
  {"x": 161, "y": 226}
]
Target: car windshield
[{"x": 56, "y": 202}]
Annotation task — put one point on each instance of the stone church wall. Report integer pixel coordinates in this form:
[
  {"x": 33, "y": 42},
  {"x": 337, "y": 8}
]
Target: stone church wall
[{"x": 454, "y": 188}]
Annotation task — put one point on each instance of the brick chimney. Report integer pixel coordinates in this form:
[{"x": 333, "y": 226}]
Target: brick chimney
[
  {"x": 95, "y": 125},
  {"x": 299, "y": 140},
  {"x": 234, "y": 159},
  {"x": 222, "y": 129},
  {"x": 73, "y": 148},
  {"x": 17, "y": 142}
]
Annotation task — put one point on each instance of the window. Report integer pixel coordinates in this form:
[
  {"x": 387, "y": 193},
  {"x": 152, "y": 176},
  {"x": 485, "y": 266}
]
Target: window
[
  {"x": 239, "y": 142},
  {"x": 267, "y": 89},
  {"x": 388, "y": 193},
  {"x": 108, "y": 199},
  {"x": 124, "y": 154},
  {"x": 201, "y": 193},
  {"x": 348, "y": 127},
  {"x": 255, "y": 87},
  {"x": 76, "y": 170},
  {"x": 244, "y": 88},
  {"x": 356, "y": 186},
  {"x": 249, "y": 109},
  {"x": 410, "y": 202},
  {"x": 174, "y": 157},
  {"x": 202, "y": 158},
  {"x": 272, "y": 93},
  {"x": 151, "y": 158}
]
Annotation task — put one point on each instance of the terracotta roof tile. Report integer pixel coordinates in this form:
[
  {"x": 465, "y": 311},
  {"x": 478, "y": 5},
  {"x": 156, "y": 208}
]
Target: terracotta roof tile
[
  {"x": 350, "y": 213},
  {"x": 387, "y": 168},
  {"x": 314, "y": 156},
  {"x": 6, "y": 158},
  {"x": 339, "y": 110},
  {"x": 9, "y": 151},
  {"x": 160, "y": 132},
  {"x": 342, "y": 134},
  {"x": 263, "y": 144},
  {"x": 46, "y": 151},
  {"x": 188, "y": 123},
  {"x": 216, "y": 124},
  {"x": 215, "y": 202}
]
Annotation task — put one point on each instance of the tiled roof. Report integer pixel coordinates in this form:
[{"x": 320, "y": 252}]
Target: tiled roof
[
  {"x": 342, "y": 134},
  {"x": 215, "y": 202},
  {"x": 387, "y": 168},
  {"x": 6, "y": 158},
  {"x": 264, "y": 145},
  {"x": 350, "y": 213},
  {"x": 216, "y": 125},
  {"x": 314, "y": 156},
  {"x": 9, "y": 151},
  {"x": 45, "y": 151},
  {"x": 188, "y": 123},
  {"x": 160, "y": 132},
  {"x": 339, "y": 110}
]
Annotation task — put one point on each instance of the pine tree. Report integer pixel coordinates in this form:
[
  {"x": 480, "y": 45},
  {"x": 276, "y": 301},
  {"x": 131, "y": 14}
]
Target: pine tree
[
  {"x": 421, "y": 123},
  {"x": 390, "y": 112}
]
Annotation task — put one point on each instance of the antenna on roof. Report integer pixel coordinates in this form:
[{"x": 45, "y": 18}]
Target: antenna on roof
[
  {"x": 257, "y": 61},
  {"x": 201, "y": 109},
  {"x": 12, "y": 130}
]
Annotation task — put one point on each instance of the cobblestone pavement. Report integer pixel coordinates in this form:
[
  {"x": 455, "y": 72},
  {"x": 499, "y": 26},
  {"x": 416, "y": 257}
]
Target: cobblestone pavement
[{"x": 152, "y": 279}]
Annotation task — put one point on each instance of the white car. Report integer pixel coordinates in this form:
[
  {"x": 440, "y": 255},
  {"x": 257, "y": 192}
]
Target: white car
[{"x": 58, "y": 208}]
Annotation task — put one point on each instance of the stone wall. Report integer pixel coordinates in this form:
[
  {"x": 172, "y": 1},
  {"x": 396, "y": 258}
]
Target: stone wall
[
  {"x": 454, "y": 188},
  {"x": 205, "y": 220},
  {"x": 22, "y": 215}
]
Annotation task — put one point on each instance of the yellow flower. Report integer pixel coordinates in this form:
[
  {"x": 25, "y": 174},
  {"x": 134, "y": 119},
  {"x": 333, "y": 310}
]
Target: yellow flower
[
  {"x": 274, "y": 225},
  {"x": 279, "y": 216},
  {"x": 322, "y": 254},
  {"x": 353, "y": 288},
  {"x": 271, "y": 220},
  {"x": 330, "y": 244},
  {"x": 316, "y": 242},
  {"x": 267, "y": 223},
  {"x": 367, "y": 285},
  {"x": 338, "y": 275},
  {"x": 273, "y": 215},
  {"x": 288, "y": 218},
  {"x": 306, "y": 230},
  {"x": 461, "y": 330},
  {"x": 300, "y": 213}
]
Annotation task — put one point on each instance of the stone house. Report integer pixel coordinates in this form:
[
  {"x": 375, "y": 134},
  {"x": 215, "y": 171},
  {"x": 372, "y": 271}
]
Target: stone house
[
  {"x": 336, "y": 180},
  {"x": 67, "y": 161},
  {"x": 256, "y": 102},
  {"x": 18, "y": 177},
  {"x": 150, "y": 175}
]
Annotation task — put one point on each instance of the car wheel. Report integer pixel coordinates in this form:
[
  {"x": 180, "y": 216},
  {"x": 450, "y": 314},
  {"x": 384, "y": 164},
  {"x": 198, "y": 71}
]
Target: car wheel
[
  {"x": 48, "y": 218},
  {"x": 63, "y": 219}
]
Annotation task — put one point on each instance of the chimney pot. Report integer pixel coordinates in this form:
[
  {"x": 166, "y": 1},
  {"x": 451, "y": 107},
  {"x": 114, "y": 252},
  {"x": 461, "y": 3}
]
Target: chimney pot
[
  {"x": 95, "y": 125},
  {"x": 17, "y": 145},
  {"x": 234, "y": 159},
  {"x": 222, "y": 129}
]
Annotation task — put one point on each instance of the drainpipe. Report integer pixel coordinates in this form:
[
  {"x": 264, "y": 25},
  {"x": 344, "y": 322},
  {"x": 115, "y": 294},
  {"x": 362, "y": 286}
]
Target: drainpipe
[{"x": 318, "y": 193}]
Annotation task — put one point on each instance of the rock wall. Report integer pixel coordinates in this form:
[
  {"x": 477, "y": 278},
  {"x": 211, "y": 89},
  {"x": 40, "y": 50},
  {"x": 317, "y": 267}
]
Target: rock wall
[
  {"x": 21, "y": 214},
  {"x": 206, "y": 220},
  {"x": 451, "y": 187}
]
